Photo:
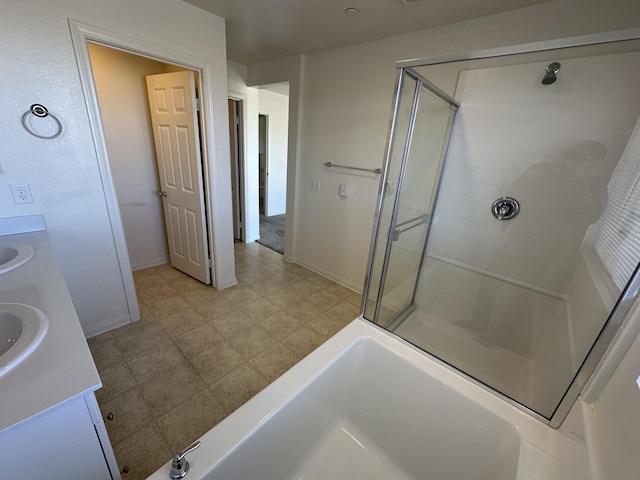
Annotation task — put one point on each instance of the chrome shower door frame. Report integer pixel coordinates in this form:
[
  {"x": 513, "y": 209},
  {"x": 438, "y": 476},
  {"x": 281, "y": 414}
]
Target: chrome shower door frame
[{"x": 393, "y": 231}]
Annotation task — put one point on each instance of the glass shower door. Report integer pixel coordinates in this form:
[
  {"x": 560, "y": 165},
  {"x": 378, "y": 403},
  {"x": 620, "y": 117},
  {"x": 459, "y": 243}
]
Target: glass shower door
[
  {"x": 525, "y": 306},
  {"x": 421, "y": 125}
]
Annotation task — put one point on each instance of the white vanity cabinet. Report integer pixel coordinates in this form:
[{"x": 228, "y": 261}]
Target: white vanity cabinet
[
  {"x": 62, "y": 442},
  {"x": 50, "y": 425}
]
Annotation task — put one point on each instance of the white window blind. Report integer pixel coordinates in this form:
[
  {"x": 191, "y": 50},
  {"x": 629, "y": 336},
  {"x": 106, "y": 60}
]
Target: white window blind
[{"x": 618, "y": 242}]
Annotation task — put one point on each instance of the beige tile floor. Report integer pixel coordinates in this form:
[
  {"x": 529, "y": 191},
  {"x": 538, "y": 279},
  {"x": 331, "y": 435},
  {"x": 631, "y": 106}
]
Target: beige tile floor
[{"x": 197, "y": 354}]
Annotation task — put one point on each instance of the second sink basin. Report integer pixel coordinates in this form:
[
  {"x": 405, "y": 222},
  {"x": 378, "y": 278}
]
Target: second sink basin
[
  {"x": 22, "y": 328},
  {"x": 14, "y": 255}
]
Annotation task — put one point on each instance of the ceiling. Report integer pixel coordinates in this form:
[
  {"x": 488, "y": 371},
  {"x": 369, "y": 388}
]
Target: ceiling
[{"x": 261, "y": 30}]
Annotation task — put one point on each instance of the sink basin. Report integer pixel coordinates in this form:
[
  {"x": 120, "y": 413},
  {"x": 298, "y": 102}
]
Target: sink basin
[
  {"x": 22, "y": 328},
  {"x": 14, "y": 255}
]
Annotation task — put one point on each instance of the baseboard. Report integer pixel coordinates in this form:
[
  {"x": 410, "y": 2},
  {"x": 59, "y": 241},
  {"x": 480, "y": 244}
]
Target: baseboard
[
  {"x": 106, "y": 326},
  {"x": 329, "y": 275},
  {"x": 149, "y": 264},
  {"x": 229, "y": 283}
]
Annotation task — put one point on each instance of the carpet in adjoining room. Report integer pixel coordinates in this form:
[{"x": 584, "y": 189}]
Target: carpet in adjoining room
[{"x": 272, "y": 232}]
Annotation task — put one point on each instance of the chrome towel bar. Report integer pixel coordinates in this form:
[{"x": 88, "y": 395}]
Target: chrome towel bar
[
  {"x": 408, "y": 225},
  {"x": 372, "y": 170}
]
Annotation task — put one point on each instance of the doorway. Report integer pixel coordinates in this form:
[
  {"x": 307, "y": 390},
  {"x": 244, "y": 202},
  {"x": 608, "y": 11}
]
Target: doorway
[
  {"x": 273, "y": 137},
  {"x": 262, "y": 163},
  {"x": 236, "y": 144},
  {"x": 119, "y": 80},
  {"x": 215, "y": 171},
  {"x": 271, "y": 226}
]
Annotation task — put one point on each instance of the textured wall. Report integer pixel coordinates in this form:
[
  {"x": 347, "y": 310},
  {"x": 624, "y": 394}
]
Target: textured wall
[
  {"x": 553, "y": 148},
  {"x": 276, "y": 106},
  {"x": 39, "y": 65},
  {"x": 346, "y": 104},
  {"x": 124, "y": 109}
]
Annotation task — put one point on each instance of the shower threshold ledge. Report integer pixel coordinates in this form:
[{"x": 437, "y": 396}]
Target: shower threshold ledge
[{"x": 368, "y": 405}]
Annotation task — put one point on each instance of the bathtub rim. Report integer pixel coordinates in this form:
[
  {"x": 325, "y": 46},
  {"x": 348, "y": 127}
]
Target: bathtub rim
[{"x": 538, "y": 442}]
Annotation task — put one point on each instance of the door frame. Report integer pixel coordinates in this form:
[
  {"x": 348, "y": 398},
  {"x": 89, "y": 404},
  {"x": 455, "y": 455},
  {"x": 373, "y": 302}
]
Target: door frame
[
  {"x": 407, "y": 140},
  {"x": 266, "y": 160},
  {"x": 240, "y": 196},
  {"x": 250, "y": 217},
  {"x": 81, "y": 34}
]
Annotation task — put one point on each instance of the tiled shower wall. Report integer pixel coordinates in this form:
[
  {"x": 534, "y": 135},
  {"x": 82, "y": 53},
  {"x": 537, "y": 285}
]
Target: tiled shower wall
[{"x": 552, "y": 147}]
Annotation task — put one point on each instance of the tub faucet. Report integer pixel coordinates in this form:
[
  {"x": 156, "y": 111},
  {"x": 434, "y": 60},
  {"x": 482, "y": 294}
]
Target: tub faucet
[{"x": 179, "y": 464}]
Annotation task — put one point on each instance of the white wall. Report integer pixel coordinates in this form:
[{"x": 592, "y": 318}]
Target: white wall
[
  {"x": 515, "y": 137},
  {"x": 39, "y": 65},
  {"x": 124, "y": 109},
  {"x": 553, "y": 148},
  {"x": 345, "y": 104},
  {"x": 276, "y": 106}
]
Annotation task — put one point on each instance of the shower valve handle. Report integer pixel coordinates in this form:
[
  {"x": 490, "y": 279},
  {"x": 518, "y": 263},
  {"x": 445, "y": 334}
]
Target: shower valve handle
[{"x": 505, "y": 208}]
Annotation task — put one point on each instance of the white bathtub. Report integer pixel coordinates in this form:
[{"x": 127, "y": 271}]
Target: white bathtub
[{"x": 366, "y": 405}]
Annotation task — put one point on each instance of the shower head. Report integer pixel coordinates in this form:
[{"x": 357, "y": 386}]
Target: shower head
[{"x": 550, "y": 75}]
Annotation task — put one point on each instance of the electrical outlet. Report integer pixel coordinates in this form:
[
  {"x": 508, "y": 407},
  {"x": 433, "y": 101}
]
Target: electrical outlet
[{"x": 21, "y": 194}]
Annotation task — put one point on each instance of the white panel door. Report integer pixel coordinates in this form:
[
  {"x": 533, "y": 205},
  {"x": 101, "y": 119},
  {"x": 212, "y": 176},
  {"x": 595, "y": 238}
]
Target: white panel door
[{"x": 174, "y": 117}]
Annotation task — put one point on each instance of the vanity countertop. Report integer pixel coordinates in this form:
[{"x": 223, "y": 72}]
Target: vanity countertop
[{"x": 61, "y": 367}]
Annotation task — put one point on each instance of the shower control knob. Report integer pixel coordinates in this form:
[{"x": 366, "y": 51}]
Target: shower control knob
[{"x": 505, "y": 208}]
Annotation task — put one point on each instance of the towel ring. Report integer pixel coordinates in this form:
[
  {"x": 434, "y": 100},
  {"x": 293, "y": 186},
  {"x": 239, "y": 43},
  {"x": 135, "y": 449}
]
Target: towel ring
[{"x": 40, "y": 111}]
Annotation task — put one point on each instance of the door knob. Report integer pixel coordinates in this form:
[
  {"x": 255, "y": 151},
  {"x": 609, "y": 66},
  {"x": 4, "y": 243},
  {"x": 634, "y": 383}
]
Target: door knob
[{"x": 162, "y": 193}]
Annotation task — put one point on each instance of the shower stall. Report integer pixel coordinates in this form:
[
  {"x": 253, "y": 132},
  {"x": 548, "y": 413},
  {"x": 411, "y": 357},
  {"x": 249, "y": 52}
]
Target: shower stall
[{"x": 506, "y": 239}]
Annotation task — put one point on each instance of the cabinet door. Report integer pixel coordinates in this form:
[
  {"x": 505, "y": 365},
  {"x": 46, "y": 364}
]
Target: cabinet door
[{"x": 59, "y": 443}]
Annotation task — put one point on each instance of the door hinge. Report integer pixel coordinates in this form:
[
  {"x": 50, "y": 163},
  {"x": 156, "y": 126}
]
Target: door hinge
[
  {"x": 197, "y": 105},
  {"x": 208, "y": 263}
]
